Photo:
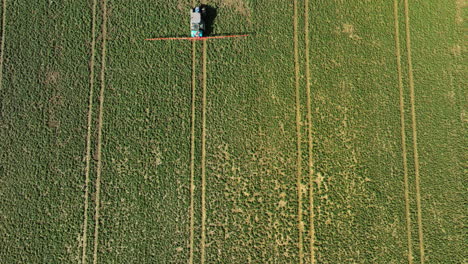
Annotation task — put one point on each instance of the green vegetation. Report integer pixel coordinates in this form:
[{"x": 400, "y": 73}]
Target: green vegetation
[
  {"x": 440, "y": 87},
  {"x": 146, "y": 147},
  {"x": 250, "y": 130},
  {"x": 43, "y": 127}
]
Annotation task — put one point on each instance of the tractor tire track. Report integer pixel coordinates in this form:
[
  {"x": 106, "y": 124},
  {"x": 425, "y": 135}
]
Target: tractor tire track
[
  {"x": 100, "y": 124},
  {"x": 2, "y": 47},
  {"x": 414, "y": 130},
  {"x": 403, "y": 129},
  {"x": 192, "y": 153},
  {"x": 203, "y": 157},
  {"x": 300, "y": 224},
  {"x": 192, "y": 156},
  {"x": 309, "y": 134},
  {"x": 88, "y": 135}
]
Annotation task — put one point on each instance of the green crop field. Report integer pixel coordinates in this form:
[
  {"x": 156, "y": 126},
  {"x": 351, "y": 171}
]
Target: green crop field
[{"x": 334, "y": 133}]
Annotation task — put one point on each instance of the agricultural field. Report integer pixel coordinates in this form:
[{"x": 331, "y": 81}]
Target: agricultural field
[{"x": 334, "y": 133}]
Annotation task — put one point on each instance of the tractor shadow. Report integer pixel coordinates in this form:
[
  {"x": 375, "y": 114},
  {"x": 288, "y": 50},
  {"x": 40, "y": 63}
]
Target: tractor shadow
[{"x": 209, "y": 16}]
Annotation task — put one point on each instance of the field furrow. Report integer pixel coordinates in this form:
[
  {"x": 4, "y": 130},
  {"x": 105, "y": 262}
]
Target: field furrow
[
  {"x": 403, "y": 131},
  {"x": 203, "y": 155},
  {"x": 309, "y": 134},
  {"x": 84, "y": 239},
  {"x": 192, "y": 151},
  {"x": 414, "y": 131},
  {"x": 99, "y": 129}
]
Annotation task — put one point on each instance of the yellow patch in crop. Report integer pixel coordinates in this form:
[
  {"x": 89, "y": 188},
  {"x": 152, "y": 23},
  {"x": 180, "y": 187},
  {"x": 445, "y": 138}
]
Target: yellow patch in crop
[
  {"x": 237, "y": 210},
  {"x": 463, "y": 117},
  {"x": 460, "y": 5},
  {"x": 52, "y": 77},
  {"x": 53, "y": 123},
  {"x": 156, "y": 155},
  {"x": 456, "y": 50},
  {"x": 182, "y": 5},
  {"x": 319, "y": 179},
  {"x": 451, "y": 96},
  {"x": 349, "y": 30},
  {"x": 238, "y": 5}
]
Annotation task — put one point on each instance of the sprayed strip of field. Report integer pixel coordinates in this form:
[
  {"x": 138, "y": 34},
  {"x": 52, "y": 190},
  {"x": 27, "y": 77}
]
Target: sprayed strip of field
[
  {"x": 414, "y": 132},
  {"x": 309, "y": 134},
  {"x": 300, "y": 224},
  {"x": 192, "y": 153},
  {"x": 2, "y": 47},
  {"x": 403, "y": 137},
  {"x": 88, "y": 134},
  {"x": 251, "y": 140},
  {"x": 100, "y": 124}
]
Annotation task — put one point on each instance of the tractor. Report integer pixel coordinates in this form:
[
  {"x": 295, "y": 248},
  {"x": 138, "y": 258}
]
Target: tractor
[
  {"x": 197, "y": 23},
  {"x": 201, "y": 20}
]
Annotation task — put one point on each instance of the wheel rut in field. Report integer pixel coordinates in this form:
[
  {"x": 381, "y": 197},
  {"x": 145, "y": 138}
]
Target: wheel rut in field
[
  {"x": 88, "y": 135},
  {"x": 300, "y": 224},
  {"x": 414, "y": 131},
  {"x": 309, "y": 135},
  {"x": 100, "y": 124},
  {"x": 203, "y": 156},
  {"x": 2, "y": 47},
  {"x": 403, "y": 129},
  {"x": 192, "y": 156},
  {"x": 192, "y": 152}
]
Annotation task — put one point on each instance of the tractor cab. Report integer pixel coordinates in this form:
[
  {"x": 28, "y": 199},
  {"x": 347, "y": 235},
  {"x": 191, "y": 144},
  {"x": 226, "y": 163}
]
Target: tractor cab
[{"x": 197, "y": 25}]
